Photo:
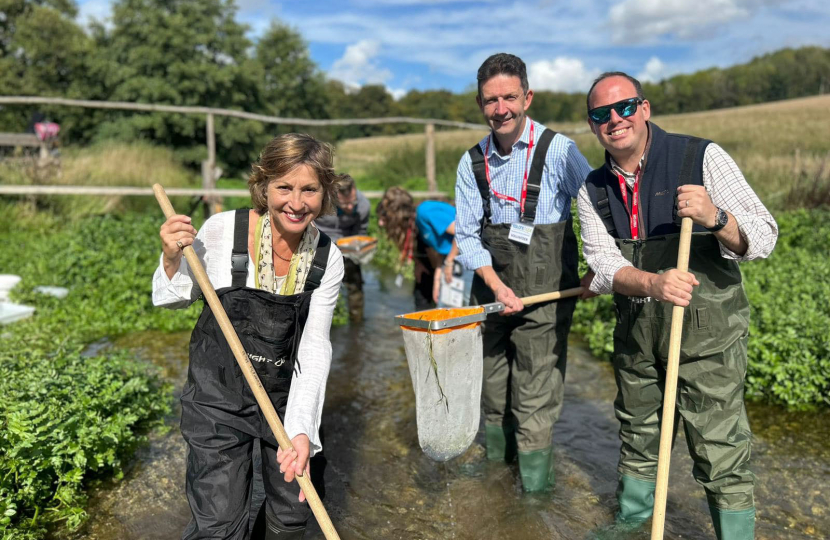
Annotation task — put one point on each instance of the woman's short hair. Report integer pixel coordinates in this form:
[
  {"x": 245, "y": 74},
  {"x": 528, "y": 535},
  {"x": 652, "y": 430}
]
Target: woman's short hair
[{"x": 283, "y": 154}]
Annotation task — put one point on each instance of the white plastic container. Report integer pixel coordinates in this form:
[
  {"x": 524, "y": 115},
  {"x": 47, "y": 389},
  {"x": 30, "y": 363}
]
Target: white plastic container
[
  {"x": 10, "y": 313},
  {"x": 7, "y": 283},
  {"x": 57, "y": 292}
]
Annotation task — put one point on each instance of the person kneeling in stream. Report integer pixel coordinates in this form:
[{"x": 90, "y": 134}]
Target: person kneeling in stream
[{"x": 278, "y": 278}]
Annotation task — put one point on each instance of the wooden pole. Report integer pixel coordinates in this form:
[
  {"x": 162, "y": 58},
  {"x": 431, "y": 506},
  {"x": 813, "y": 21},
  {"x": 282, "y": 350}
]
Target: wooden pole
[
  {"x": 429, "y": 131},
  {"x": 249, "y": 372},
  {"x": 556, "y": 295},
  {"x": 670, "y": 392},
  {"x": 209, "y": 166},
  {"x": 178, "y": 192},
  {"x": 128, "y": 106}
]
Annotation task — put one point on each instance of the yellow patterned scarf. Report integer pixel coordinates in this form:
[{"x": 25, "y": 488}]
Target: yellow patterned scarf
[{"x": 265, "y": 278}]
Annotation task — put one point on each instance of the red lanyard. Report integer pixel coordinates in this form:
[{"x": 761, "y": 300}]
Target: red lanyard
[
  {"x": 524, "y": 180},
  {"x": 635, "y": 203}
]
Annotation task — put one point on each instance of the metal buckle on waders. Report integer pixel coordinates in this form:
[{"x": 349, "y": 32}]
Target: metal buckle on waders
[{"x": 239, "y": 263}]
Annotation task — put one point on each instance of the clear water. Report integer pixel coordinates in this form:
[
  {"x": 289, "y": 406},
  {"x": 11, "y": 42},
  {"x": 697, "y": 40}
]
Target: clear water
[{"x": 379, "y": 485}]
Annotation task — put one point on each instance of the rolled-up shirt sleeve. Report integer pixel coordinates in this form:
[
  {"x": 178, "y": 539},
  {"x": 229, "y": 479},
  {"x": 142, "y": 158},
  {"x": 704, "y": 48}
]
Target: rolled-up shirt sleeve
[
  {"x": 182, "y": 289},
  {"x": 730, "y": 191},
  {"x": 470, "y": 210},
  {"x": 600, "y": 249}
]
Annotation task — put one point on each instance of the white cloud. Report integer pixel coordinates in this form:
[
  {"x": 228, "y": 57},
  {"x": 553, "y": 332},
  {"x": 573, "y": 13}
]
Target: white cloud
[
  {"x": 451, "y": 39},
  {"x": 359, "y": 66},
  {"x": 99, "y": 10},
  {"x": 654, "y": 71},
  {"x": 397, "y": 93},
  {"x": 562, "y": 74},
  {"x": 635, "y": 21}
]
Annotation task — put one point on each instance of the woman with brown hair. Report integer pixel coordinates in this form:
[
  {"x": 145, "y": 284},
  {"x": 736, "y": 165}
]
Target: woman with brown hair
[{"x": 278, "y": 279}]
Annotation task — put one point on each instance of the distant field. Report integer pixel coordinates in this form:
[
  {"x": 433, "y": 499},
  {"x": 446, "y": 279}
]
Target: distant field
[{"x": 763, "y": 139}]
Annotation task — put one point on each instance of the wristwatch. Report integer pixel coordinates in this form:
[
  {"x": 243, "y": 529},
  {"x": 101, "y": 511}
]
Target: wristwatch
[{"x": 721, "y": 219}]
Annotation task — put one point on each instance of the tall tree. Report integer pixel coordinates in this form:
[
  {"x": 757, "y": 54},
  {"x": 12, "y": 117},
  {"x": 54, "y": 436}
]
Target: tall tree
[
  {"x": 292, "y": 84},
  {"x": 181, "y": 52},
  {"x": 370, "y": 101},
  {"x": 43, "y": 52}
]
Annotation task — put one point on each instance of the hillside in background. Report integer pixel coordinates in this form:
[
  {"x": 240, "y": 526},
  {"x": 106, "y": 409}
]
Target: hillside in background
[
  {"x": 779, "y": 146},
  {"x": 146, "y": 54}
]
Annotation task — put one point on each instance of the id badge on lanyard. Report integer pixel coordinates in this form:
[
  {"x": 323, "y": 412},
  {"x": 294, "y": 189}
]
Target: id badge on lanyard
[{"x": 519, "y": 232}]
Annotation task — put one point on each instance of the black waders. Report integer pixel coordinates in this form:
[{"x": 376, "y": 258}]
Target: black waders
[{"x": 221, "y": 420}]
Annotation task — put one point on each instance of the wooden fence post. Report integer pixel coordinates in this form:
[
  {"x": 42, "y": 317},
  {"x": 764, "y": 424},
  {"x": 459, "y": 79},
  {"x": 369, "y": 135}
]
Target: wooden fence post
[
  {"x": 429, "y": 131},
  {"x": 211, "y": 204}
]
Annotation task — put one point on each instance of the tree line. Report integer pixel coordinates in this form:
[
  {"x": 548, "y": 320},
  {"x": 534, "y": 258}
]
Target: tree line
[{"x": 195, "y": 52}]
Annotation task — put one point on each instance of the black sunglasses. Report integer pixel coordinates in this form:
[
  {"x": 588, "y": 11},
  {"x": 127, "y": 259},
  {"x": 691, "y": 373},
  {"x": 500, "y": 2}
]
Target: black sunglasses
[{"x": 624, "y": 108}]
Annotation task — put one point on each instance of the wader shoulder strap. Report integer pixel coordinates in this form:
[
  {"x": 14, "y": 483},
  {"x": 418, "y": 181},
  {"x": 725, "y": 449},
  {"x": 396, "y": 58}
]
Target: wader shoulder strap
[
  {"x": 477, "y": 158},
  {"x": 534, "y": 177},
  {"x": 686, "y": 170},
  {"x": 604, "y": 209},
  {"x": 239, "y": 255},
  {"x": 318, "y": 265}
]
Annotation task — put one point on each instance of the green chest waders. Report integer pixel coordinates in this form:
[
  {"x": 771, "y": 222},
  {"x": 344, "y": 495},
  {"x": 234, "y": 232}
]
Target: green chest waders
[
  {"x": 525, "y": 354},
  {"x": 710, "y": 383}
]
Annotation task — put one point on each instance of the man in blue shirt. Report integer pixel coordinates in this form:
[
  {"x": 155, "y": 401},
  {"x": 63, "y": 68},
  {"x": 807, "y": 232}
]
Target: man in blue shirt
[{"x": 513, "y": 197}]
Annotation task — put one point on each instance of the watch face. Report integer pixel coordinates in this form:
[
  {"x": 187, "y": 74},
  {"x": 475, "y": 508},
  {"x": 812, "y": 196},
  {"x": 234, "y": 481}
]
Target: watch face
[{"x": 722, "y": 217}]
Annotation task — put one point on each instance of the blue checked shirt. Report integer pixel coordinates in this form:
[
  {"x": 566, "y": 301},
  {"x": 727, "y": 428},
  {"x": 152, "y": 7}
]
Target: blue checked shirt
[{"x": 565, "y": 172}]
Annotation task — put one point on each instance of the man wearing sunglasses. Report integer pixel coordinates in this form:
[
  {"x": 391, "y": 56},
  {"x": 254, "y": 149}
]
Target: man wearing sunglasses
[
  {"x": 513, "y": 226},
  {"x": 629, "y": 211}
]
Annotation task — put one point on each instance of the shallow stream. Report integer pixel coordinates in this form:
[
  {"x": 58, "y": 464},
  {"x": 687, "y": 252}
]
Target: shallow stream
[{"x": 379, "y": 485}]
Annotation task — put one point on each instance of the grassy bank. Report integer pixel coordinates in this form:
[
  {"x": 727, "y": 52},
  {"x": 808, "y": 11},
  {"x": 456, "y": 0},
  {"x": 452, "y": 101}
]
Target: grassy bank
[
  {"x": 105, "y": 164},
  {"x": 775, "y": 144}
]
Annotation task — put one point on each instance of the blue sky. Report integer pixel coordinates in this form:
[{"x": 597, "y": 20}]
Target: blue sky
[{"x": 432, "y": 44}]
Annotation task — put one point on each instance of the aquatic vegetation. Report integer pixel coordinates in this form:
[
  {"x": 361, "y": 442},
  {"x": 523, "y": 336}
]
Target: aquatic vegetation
[{"x": 67, "y": 416}]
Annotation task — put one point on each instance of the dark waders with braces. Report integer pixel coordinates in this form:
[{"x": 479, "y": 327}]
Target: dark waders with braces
[
  {"x": 221, "y": 420},
  {"x": 525, "y": 354},
  {"x": 710, "y": 388}
]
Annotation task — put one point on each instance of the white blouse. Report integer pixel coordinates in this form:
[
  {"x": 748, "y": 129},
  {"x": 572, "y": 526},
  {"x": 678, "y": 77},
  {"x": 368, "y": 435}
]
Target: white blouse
[{"x": 214, "y": 245}]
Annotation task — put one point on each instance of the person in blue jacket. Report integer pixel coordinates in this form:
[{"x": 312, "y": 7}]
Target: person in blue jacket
[{"x": 425, "y": 234}]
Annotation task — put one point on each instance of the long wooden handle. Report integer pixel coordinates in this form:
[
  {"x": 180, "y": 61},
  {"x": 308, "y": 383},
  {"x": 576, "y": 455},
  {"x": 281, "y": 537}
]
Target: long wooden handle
[
  {"x": 556, "y": 295},
  {"x": 248, "y": 370},
  {"x": 670, "y": 393}
]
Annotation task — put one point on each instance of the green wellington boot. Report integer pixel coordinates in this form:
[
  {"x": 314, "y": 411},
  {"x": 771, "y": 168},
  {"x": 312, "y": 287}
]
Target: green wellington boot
[
  {"x": 536, "y": 469},
  {"x": 733, "y": 524},
  {"x": 500, "y": 442},
  {"x": 636, "y": 499}
]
